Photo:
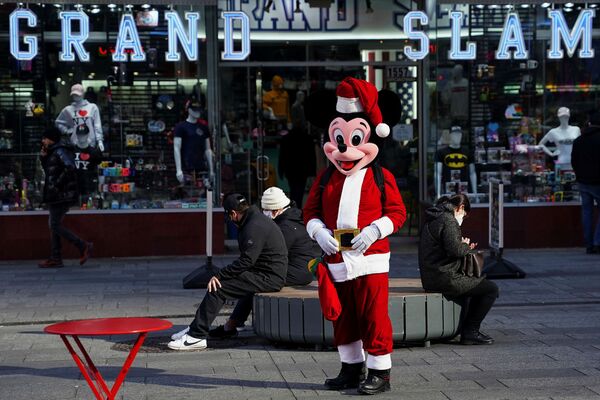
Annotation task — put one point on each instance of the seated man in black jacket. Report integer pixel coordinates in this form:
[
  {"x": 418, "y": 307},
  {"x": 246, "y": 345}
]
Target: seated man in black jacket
[
  {"x": 301, "y": 249},
  {"x": 261, "y": 267}
]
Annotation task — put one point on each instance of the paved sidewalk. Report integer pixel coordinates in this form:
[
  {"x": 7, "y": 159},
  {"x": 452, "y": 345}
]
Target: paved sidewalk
[{"x": 546, "y": 326}]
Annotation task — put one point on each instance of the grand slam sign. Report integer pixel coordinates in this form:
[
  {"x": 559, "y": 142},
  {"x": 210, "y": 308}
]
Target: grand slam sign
[{"x": 129, "y": 48}]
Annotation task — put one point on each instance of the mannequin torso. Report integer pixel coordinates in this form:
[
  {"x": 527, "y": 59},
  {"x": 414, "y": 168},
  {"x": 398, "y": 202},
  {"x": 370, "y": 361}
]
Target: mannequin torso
[
  {"x": 563, "y": 137},
  {"x": 191, "y": 147},
  {"x": 454, "y": 164},
  {"x": 81, "y": 113}
]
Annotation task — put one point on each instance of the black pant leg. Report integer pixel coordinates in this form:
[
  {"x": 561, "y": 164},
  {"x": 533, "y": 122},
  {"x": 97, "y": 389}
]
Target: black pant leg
[
  {"x": 244, "y": 285},
  {"x": 481, "y": 299},
  {"x": 57, "y": 230},
  {"x": 242, "y": 310}
]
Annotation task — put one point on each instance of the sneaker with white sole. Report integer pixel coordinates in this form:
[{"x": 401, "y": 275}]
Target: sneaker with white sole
[
  {"x": 179, "y": 335},
  {"x": 188, "y": 342}
]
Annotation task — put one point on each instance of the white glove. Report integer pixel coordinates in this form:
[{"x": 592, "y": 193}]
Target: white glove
[
  {"x": 101, "y": 145},
  {"x": 365, "y": 238},
  {"x": 326, "y": 241},
  {"x": 180, "y": 176}
]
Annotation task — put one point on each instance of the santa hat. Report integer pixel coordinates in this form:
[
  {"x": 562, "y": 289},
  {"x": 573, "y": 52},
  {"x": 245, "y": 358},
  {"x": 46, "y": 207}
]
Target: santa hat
[{"x": 356, "y": 95}]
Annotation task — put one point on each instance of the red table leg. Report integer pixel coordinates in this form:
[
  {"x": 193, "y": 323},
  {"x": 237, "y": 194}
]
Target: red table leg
[{"x": 88, "y": 370}]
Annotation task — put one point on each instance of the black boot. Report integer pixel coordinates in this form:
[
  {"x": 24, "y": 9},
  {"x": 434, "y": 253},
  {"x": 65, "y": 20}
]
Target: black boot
[
  {"x": 378, "y": 381},
  {"x": 349, "y": 377},
  {"x": 475, "y": 337}
]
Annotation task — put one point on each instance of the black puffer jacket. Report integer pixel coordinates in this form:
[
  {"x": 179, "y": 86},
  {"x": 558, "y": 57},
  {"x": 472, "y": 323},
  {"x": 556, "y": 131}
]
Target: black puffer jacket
[
  {"x": 440, "y": 253},
  {"x": 301, "y": 248},
  {"x": 61, "y": 177},
  {"x": 585, "y": 156},
  {"x": 262, "y": 250}
]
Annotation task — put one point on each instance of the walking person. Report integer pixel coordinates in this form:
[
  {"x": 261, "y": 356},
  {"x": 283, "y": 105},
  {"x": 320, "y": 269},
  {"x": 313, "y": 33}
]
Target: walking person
[
  {"x": 261, "y": 267},
  {"x": 301, "y": 249},
  {"x": 585, "y": 158},
  {"x": 441, "y": 250},
  {"x": 60, "y": 192}
]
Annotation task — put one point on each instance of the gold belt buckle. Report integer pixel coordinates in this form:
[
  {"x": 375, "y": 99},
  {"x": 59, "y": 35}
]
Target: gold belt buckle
[{"x": 344, "y": 237}]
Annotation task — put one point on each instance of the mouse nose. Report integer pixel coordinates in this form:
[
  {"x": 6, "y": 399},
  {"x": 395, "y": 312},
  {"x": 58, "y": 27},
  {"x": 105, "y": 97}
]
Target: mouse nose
[{"x": 342, "y": 147}]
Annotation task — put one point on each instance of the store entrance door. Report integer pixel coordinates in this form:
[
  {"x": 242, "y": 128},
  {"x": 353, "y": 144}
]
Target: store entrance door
[{"x": 267, "y": 141}]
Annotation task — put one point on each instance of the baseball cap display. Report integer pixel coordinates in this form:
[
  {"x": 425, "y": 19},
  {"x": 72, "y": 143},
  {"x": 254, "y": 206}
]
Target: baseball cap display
[
  {"x": 77, "y": 89},
  {"x": 563, "y": 112},
  {"x": 514, "y": 111}
]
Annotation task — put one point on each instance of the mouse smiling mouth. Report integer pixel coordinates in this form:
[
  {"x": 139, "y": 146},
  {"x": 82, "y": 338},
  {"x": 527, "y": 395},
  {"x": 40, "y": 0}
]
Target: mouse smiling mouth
[{"x": 347, "y": 165}]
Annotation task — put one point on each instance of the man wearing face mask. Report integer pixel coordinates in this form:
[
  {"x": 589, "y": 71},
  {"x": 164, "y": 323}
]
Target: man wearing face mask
[
  {"x": 301, "y": 249},
  {"x": 441, "y": 250},
  {"x": 81, "y": 121},
  {"x": 261, "y": 267}
]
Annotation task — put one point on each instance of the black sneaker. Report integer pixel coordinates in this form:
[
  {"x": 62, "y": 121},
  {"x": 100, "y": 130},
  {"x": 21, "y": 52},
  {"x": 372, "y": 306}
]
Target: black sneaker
[{"x": 220, "y": 333}]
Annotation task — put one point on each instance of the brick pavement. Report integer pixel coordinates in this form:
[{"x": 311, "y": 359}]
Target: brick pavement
[{"x": 547, "y": 331}]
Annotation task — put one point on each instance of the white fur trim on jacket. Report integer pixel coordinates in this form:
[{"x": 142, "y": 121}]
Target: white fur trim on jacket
[
  {"x": 352, "y": 353},
  {"x": 313, "y": 226},
  {"x": 348, "y": 105},
  {"x": 385, "y": 226},
  {"x": 366, "y": 265},
  {"x": 379, "y": 362},
  {"x": 350, "y": 200}
]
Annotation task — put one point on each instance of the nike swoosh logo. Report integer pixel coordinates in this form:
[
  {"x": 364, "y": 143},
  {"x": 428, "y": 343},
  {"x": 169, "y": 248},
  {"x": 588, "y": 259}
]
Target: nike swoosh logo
[{"x": 186, "y": 343}]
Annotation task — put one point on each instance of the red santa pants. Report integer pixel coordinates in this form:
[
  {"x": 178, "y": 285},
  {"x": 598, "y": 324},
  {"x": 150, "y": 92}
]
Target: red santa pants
[{"x": 365, "y": 314}]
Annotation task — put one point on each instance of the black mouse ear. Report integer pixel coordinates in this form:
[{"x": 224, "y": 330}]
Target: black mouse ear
[
  {"x": 389, "y": 104},
  {"x": 319, "y": 108}
]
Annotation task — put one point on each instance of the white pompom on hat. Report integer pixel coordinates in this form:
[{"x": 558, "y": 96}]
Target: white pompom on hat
[
  {"x": 274, "y": 199},
  {"x": 357, "y": 95}
]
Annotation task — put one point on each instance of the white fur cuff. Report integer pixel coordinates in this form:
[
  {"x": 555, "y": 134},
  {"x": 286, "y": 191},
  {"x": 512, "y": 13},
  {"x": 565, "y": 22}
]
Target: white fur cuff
[
  {"x": 385, "y": 226},
  {"x": 379, "y": 362},
  {"x": 351, "y": 353}
]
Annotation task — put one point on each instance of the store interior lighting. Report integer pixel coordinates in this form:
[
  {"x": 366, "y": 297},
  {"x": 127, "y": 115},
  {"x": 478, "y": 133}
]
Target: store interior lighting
[
  {"x": 145, "y": 6},
  {"x": 569, "y": 5},
  {"x": 545, "y": 5}
]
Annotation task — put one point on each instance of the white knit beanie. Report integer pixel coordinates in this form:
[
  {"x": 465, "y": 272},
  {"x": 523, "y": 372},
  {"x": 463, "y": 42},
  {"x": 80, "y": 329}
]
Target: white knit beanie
[{"x": 274, "y": 199}]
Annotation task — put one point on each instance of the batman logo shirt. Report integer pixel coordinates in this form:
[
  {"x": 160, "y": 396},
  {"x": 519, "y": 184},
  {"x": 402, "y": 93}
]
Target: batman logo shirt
[{"x": 455, "y": 165}]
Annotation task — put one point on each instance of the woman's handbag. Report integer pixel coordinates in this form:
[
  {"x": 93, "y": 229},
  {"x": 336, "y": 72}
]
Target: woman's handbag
[{"x": 472, "y": 264}]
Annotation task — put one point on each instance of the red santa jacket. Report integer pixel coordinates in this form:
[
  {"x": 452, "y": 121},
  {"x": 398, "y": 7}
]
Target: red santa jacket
[{"x": 355, "y": 202}]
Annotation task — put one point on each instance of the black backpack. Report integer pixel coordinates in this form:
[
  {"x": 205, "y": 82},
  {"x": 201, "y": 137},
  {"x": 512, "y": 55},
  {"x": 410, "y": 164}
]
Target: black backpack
[{"x": 377, "y": 172}]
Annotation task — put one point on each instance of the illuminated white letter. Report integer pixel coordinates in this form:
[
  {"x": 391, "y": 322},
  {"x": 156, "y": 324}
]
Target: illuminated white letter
[
  {"x": 29, "y": 40},
  {"x": 128, "y": 38},
  {"x": 455, "y": 53},
  {"x": 512, "y": 36},
  {"x": 229, "y": 54},
  {"x": 582, "y": 31},
  {"x": 188, "y": 41},
  {"x": 71, "y": 40},
  {"x": 412, "y": 35}
]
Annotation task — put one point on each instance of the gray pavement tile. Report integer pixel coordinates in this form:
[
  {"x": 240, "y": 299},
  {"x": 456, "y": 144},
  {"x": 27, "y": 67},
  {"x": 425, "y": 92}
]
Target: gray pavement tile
[{"x": 569, "y": 392}]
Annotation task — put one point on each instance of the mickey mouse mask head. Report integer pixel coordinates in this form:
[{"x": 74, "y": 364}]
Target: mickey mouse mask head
[{"x": 356, "y": 122}]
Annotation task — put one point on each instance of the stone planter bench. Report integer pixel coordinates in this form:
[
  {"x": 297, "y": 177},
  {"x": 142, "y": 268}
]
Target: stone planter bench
[{"x": 293, "y": 315}]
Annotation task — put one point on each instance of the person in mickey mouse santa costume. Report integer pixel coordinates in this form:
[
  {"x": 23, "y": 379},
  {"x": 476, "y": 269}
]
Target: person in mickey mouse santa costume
[{"x": 351, "y": 198}]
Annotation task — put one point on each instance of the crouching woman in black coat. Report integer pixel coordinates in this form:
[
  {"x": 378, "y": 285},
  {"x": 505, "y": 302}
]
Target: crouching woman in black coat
[{"x": 441, "y": 250}]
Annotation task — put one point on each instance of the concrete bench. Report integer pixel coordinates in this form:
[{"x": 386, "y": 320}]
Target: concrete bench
[{"x": 293, "y": 315}]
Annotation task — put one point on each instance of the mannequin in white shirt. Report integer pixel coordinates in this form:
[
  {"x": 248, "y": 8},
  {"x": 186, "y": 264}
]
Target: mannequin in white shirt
[
  {"x": 81, "y": 121},
  {"x": 455, "y": 141},
  {"x": 178, "y": 142},
  {"x": 563, "y": 136}
]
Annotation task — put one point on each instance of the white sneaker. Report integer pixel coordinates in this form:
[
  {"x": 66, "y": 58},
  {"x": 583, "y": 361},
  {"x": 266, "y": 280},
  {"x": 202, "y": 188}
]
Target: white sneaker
[
  {"x": 187, "y": 342},
  {"x": 179, "y": 335}
]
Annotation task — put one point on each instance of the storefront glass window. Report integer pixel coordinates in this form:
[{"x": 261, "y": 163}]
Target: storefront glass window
[
  {"x": 512, "y": 120},
  {"x": 138, "y": 105}
]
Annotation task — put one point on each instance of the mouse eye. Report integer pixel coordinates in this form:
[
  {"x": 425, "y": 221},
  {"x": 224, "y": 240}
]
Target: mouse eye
[
  {"x": 357, "y": 137},
  {"x": 339, "y": 136}
]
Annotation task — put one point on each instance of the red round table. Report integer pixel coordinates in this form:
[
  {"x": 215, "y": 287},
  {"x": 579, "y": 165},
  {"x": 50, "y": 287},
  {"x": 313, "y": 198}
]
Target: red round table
[{"x": 105, "y": 327}]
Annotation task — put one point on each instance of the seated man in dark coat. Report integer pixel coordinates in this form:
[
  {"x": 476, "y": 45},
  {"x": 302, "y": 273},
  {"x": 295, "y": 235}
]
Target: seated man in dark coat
[
  {"x": 301, "y": 249},
  {"x": 261, "y": 267}
]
